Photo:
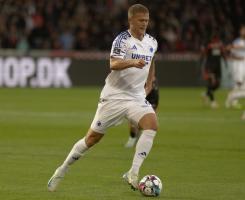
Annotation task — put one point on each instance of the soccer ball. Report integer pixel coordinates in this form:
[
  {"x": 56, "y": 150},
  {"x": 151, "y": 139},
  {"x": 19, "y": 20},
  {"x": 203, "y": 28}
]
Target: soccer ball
[{"x": 150, "y": 185}]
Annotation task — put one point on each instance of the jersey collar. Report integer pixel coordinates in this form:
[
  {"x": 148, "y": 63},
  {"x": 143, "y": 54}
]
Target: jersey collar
[{"x": 135, "y": 37}]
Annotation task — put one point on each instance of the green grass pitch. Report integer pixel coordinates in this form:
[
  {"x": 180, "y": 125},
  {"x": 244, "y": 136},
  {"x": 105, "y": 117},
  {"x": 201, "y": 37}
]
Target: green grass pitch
[{"x": 199, "y": 153}]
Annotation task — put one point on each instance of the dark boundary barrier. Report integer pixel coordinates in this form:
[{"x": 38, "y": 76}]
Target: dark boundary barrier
[
  {"x": 68, "y": 69},
  {"x": 169, "y": 73}
]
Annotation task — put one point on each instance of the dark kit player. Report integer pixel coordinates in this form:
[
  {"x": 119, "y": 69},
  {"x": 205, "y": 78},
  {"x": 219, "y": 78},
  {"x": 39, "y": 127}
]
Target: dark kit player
[{"x": 212, "y": 56}]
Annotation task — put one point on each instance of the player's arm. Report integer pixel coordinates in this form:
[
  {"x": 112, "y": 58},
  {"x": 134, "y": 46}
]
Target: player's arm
[
  {"x": 235, "y": 57},
  {"x": 150, "y": 78},
  {"x": 231, "y": 55},
  {"x": 236, "y": 46},
  {"x": 120, "y": 64}
]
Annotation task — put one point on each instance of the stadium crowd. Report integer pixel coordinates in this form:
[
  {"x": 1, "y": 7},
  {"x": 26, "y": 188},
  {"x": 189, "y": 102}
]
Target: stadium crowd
[{"x": 179, "y": 26}]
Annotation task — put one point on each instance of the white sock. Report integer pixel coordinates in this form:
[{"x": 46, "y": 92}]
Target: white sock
[
  {"x": 143, "y": 148},
  {"x": 77, "y": 151}
]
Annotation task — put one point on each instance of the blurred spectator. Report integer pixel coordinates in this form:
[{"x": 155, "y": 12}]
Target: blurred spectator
[{"x": 90, "y": 24}]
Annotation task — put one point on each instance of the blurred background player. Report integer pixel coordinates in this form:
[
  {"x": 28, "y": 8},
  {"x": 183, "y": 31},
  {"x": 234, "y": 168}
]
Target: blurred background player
[
  {"x": 238, "y": 72},
  {"x": 212, "y": 56},
  {"x": 153, "y": 98}
]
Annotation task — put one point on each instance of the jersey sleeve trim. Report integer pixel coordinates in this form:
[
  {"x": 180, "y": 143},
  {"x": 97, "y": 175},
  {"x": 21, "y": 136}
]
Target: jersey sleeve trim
[{"x": 119, "y": 46}]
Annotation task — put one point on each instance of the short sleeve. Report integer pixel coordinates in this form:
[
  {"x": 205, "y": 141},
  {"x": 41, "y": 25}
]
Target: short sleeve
[
  {"x": 119, "y": 47},
  {"x": 118, "y": 51}
]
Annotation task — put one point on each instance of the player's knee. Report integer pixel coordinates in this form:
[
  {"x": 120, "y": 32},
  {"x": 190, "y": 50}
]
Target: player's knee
[
  {"x": 149, "y": 122},
  {"x": 92, "y": 138},
  {"x": 154, "y": 126}
]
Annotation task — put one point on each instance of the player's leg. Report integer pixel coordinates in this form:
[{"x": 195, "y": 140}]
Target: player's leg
[
  {"x": 209, "y": 92},
  {"x": 232, "y": 99},
  {"x": 206, "y": 94},
  {"x": 108, "y": 113},
  {"x": 215, "y": 86},
  {"x": 133, "y": 135},
  {"x": 78, "y": 150},
  {"x": 237, "y": 92},
  {"x": 81, "y": 147},
  {"x": 153, "y": 99},
  {"x": 213, "y": 83},
  {"x": 148, "y": 124},
  {"x": 147, "y": 121}
]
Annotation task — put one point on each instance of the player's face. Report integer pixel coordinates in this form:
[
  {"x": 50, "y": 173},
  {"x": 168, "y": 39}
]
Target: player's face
[{"x": 139, "y": 22}]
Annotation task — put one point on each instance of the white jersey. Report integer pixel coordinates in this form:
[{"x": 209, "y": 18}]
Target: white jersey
[
  {"x": 129, "y": 83},
  {"x": 239, "y": 65},
  {"x": 239, "y": 52}
]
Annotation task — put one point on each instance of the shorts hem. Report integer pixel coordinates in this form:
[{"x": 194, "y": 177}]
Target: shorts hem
[{"x": 97, "y": 130}]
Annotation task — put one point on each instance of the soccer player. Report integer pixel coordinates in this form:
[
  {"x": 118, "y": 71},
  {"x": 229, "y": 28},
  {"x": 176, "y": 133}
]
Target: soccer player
[
  {"x": 212, "y": 53},
  {"x": 153, "y": 98},
  {"x": 238, "y": 56},
  {"x": 123, "y": 96}
]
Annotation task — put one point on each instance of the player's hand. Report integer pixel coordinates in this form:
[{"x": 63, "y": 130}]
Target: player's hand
[{"x": 139, "y": 63}]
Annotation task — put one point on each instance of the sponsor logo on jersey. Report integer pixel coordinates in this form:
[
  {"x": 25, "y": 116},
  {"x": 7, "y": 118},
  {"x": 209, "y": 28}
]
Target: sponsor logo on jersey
[
  {"x": 134, "y": 47},
  {"x": 151, "y": 49},
  {"x": 116, "y": 50},
  {"x": 140, "y": 56}
]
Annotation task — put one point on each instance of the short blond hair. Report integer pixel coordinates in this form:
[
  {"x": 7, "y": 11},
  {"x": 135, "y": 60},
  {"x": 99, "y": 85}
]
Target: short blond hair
[{"x": 137, "y": 8}]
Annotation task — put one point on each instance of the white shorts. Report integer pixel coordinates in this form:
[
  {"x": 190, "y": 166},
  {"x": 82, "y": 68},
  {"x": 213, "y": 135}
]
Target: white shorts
[
  {"x": 112, "y": 112},
  {"x": 239, "y": 71}
]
